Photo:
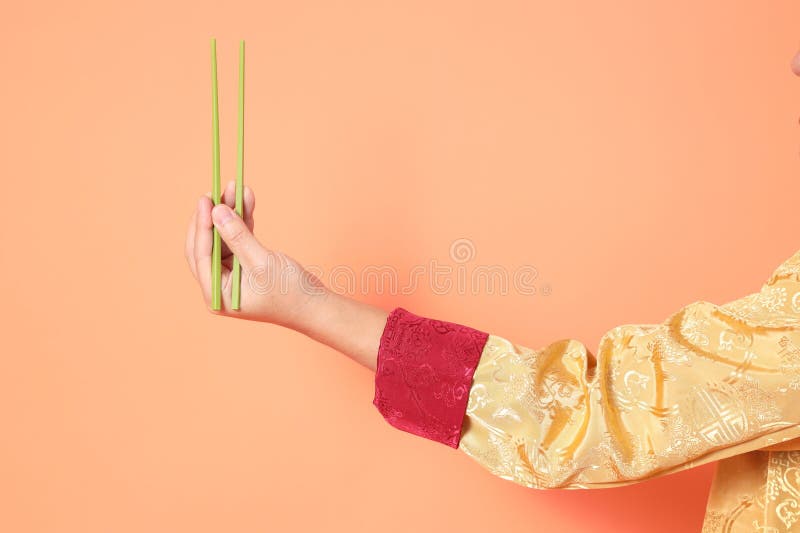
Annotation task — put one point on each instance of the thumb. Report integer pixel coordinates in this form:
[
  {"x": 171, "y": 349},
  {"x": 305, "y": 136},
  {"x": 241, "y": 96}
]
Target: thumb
[{"x": 236, "y": 235}]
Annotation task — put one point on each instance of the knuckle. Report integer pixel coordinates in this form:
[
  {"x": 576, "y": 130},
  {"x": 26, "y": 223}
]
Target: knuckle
[{"x": 236, "y": 234}]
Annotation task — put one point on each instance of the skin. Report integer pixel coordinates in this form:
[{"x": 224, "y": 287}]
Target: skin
[
  {"x": 275, "y": 288},
  {"x": 301, "y": 302},
  {"x": 796, "y": 63}
]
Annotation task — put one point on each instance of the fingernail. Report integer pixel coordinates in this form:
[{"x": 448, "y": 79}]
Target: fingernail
[{"x": 221, "y": 214}]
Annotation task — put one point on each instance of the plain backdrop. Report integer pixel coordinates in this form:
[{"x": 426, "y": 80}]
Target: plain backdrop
[{"x": 639, "y": 155}]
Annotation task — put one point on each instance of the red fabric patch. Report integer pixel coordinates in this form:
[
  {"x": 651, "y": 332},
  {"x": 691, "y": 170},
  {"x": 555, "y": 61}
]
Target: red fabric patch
[{"x": 424, "y": 374}]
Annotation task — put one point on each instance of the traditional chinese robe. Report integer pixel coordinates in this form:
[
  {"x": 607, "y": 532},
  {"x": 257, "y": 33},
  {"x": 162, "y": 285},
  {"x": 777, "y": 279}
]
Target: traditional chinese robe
[{"x": 709, "y": 383}]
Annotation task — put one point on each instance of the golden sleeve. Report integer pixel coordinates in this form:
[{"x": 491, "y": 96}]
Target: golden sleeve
[{"x": 709, "y": 382}]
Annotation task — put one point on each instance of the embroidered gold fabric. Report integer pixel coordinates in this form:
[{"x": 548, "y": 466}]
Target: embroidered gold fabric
[{"x": 710, "y": 383}]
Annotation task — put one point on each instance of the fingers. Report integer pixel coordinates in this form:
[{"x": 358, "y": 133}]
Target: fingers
[
  {"x": 228, "y": 197},
  {"x": 248, "y": 201},
  {"x": 188, "y": 250},
  {"x": 229, "y": 194},
  {"x": 191, "y": 233},
  {"x": 249, "y": 204},
  {"x": 203, "y": 242},
  {"x": 237, "y": 235}
]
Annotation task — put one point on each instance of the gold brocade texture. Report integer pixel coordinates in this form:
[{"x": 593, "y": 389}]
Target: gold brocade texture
[
  {"x": 757, "y": 491},
  {"x": 710, "y": 383}
]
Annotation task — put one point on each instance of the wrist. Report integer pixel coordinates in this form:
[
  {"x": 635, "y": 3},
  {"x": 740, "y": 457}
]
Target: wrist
[
  {"x": 345, "y": 324},
  {"x": 305, "y": 308}
]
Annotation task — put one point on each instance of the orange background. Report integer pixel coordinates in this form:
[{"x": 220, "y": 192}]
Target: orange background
[{"x": 640, "y": 155}]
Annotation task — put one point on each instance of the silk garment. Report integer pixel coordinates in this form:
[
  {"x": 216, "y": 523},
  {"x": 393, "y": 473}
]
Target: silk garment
[
  {"x": 709, "y": 383},
  {"x": 712, "y": 382}
]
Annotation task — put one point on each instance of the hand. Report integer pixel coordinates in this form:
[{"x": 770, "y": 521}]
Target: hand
[{"x": 274, "y": 287}]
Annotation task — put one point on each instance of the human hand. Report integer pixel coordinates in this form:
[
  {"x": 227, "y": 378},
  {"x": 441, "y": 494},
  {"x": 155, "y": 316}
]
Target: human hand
[{"x": 274, "y": 287}]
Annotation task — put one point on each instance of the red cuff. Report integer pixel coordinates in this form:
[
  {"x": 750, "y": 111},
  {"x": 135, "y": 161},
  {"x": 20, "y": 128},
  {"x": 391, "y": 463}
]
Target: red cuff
[{"x": 424, "y": 374}]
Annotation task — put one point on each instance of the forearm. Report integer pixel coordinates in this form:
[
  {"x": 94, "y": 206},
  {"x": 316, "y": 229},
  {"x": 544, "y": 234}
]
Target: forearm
[{"x": 345, "y": 324}]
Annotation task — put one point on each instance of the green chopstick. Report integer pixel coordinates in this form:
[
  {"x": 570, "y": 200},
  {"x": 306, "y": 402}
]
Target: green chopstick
[
  {"x": 216, "y": 188},
  {"x": 236, "y": 273},
  {"x": 216, "y": 251}
]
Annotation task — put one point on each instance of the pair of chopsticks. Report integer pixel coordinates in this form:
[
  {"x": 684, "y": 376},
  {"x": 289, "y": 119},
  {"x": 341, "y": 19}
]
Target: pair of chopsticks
[{"x": 216, "y": 251}]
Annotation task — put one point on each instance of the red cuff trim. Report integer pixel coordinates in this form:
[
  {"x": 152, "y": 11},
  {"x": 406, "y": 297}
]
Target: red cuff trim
[{"x": 424, "y": 374}]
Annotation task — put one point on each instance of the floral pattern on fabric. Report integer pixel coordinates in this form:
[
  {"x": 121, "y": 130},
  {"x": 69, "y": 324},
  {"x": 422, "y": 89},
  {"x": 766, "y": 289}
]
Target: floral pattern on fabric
[{"x": 424, "y": 373}]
